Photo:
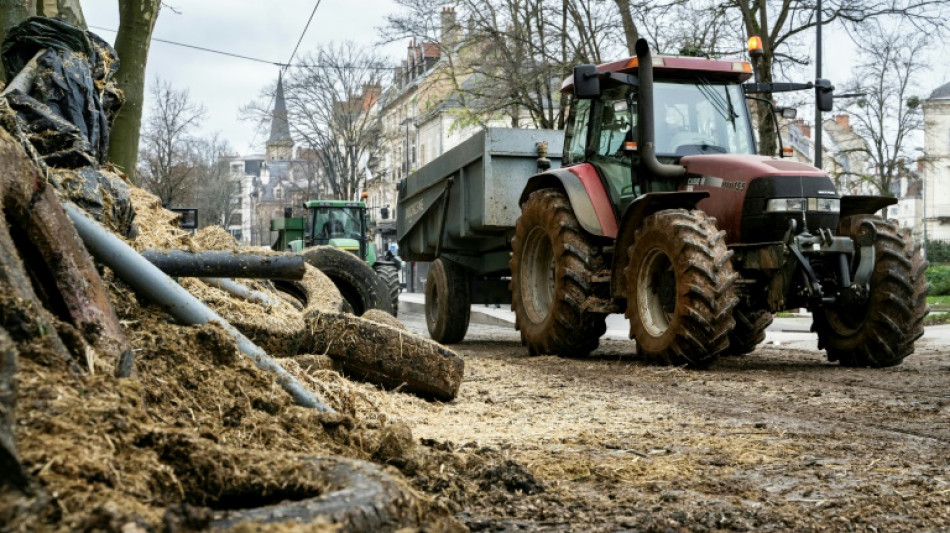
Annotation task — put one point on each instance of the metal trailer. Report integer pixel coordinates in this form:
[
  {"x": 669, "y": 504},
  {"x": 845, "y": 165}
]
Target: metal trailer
[{"x": 460, "y": 210}]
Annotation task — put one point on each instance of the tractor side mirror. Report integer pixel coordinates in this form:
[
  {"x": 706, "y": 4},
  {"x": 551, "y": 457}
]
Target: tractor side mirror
[
  {"x": 788, "y": 113},
  {"x": 824, "y": 95},
  {"x": 586, "y": 82}
]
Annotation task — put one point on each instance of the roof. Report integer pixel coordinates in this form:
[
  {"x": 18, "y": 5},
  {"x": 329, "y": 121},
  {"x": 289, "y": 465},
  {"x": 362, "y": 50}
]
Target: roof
[
  {"x": 279, "y": 127},
  {"x": 670, "y": 66},
  {"x": 941, "y": 93}
]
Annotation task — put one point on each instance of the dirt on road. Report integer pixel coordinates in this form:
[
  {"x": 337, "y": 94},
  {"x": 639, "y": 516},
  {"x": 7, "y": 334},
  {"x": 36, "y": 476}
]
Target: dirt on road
[{"x": 779, "y": 440}]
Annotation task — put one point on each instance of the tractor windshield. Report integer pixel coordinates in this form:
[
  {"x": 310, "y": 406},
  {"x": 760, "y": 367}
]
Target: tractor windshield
[
  {"x": 698, "y": 117},
  {"x": 336, "y": 223}
]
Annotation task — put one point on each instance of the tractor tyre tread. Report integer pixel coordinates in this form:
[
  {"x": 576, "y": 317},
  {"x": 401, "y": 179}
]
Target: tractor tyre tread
[
  {"x": 357, "y": 281},
  {"x": 897, "y": 306},
  {"x": 447, "y": 302},
  {"x": 567, "y": 329},
  {"x": 702, "y": 316}
]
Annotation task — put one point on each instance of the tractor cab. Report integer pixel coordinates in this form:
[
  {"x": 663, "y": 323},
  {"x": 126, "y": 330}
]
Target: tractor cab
[
  {"x": 698, "y": 108},
  {"x": 339, "y": 224}
]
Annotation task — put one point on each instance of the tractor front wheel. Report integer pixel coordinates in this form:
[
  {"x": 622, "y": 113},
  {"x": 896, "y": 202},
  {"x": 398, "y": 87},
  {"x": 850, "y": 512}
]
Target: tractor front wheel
[
  {"x": 749, "y": 330},
  {"x": 680, "y": 289},
  {"x": 882, "y": 333},
  {"x": 552, "y": 264}
]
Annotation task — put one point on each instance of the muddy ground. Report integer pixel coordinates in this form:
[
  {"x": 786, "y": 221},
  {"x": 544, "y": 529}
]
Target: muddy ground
[{"x": 779, "y": 440}]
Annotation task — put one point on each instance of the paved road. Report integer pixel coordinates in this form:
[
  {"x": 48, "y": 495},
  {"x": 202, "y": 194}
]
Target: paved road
[{"x": 785, "y": 331}]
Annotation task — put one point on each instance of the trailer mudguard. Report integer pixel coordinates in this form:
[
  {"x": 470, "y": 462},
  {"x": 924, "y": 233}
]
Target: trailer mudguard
[
  {"x": 587, "y": 195},
  {"x": 632, "y": 219}
]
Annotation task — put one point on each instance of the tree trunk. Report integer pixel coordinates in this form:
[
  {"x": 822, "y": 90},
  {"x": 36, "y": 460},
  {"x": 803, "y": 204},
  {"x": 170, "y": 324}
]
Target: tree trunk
[
  {"x": 630, "y": 32},
  {"x": 765, "y": 126},
  {"x": 136, "y": 22},
  {"x": 13, "y": 12},
  {"x": 68, "y": 10}
]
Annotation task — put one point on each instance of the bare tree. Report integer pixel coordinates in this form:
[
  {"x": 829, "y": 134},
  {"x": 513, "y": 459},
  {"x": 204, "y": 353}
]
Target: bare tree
[
  {"x": 328, "y": 107},
  {"x": 889, "y": 111},
  {"x": 169, "y": 163},
  {"x": 782, "y": 24},
  {"x": 217, "y": 195},
  {"x": 514, "y": 53}
]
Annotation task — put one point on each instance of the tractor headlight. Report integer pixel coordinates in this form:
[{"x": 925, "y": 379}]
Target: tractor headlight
[{"x": 821, "y": 205}]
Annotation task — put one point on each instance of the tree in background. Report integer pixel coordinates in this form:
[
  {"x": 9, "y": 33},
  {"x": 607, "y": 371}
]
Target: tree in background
[
  {"x": 217, "y": 196},
  {"x": 889, "y": 111},
  {"x": 136, "y": 22},
  {"x": 170, "y": 158},
  {"x": 328, "y": 106}
]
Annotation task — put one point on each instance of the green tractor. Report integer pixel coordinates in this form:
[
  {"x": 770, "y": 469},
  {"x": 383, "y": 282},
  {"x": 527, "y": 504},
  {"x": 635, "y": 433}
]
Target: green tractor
[{"x": 335, "y": 237}]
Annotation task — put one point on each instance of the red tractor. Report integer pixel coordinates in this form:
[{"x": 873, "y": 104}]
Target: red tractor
[{"x": 663, "y": 211}]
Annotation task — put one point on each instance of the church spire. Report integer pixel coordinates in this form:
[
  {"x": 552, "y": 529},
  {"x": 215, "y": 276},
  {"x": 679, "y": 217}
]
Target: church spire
[{"x": 280, "y": 144}]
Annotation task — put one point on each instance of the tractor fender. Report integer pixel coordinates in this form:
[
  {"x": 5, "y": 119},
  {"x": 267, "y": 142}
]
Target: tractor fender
[
  {"x": 632, "y": 219},
  {"x": 586, "y": 193},
  {"x": 864, "y": 205}
]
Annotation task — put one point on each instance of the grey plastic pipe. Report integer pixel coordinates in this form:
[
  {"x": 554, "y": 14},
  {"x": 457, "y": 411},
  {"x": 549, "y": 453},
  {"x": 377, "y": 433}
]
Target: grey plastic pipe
[
  {"x": 241, "y": 291},
  {"x": 148, "y": 280}
]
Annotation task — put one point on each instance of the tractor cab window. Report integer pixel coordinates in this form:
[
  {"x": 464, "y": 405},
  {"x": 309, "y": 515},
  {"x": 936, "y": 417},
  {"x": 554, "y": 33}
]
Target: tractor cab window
[
  {"x": 336, "y": 223},
  {"x": 700, "y": 118},
  {"x": 575, "y": 135},
  {"x": 615, "y": 125}
]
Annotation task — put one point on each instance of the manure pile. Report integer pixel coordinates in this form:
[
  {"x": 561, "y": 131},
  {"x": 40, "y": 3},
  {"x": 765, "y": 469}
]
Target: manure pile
[{"x": 199, "y": 436}]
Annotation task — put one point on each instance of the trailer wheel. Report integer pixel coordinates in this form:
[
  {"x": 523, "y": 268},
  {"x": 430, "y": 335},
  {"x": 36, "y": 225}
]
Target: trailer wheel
[
  {"x": 389, "y": 275},
  {"x": 357, "y": 282},
  {"x": 749, "y": 330},
  {"x": 448, "y": 302},
  {"x": 551, "y": 267},
  {"x": 883, "y": 333},
  {"x": 680, "y": 294}
]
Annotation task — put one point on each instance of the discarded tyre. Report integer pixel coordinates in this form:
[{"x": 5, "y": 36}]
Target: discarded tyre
[
  {"x": 357, "y": 282},
  {"x": 358, "y": 497},
  {"x": 387, "y": 356}
]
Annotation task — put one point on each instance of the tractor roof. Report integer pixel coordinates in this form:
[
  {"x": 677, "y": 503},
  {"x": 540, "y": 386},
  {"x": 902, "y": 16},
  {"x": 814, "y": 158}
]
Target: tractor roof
[
  {"x": 333, "y": 203},
  {"x": 678, "y": 67}
]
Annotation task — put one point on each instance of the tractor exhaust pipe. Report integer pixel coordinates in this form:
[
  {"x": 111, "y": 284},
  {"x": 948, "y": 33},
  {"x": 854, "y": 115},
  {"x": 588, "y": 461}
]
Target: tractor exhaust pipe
[{"x": 647, "y": 127}]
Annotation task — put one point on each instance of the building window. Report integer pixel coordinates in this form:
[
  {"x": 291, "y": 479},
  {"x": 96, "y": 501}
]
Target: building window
[{"x": 237, "y": 166}]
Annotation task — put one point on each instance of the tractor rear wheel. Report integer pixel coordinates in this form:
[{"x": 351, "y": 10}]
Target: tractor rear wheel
[
  {"x": 882, "y": 333},
  {"x": 749, "y": 330},
  {"x": 680, "y": 294},
  {"x": 551, "y": 268},
  {"x": 389, "y": 275},
  {"x": 362, "y": 290},
  {"x": 448, "y": 302}
]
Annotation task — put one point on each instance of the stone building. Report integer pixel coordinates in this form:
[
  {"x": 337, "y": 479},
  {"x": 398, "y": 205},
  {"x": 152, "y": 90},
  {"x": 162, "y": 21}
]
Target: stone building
[
  {"x": 280, "y": 178},
  {"x": 936, "y": 164}
]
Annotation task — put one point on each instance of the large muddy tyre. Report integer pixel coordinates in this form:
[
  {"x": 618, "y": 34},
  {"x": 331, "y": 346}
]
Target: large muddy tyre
[
  {"x": 680, "y": 289},
  {"x": 372, "y": 351},
  {"x": 359, "y": 285},
  {"x": 551, "y": 269},
  {"x": 389, "y": 275},
  {"x": 749, "y": 331},
  {"x": 448, "y": 301},
  {"x": 883, "y": 332}
]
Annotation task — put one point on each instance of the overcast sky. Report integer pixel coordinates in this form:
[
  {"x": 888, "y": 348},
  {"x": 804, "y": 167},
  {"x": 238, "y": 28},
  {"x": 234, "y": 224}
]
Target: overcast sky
[{"x": 269, "y": 29}]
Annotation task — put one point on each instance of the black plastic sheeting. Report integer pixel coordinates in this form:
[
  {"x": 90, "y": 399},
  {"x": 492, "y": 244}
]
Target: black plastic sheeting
[{"x": 68, "y": 111}]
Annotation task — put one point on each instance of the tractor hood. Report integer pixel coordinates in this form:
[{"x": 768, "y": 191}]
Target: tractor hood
[
  {"x": 350, "y": 245},
  {"x": 744, "y": 168}
]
